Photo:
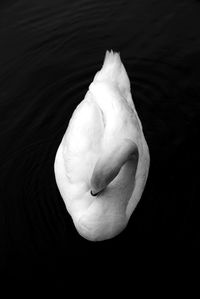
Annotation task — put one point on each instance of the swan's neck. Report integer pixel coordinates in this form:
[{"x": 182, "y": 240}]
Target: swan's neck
[{"x": 110, "y": 163}]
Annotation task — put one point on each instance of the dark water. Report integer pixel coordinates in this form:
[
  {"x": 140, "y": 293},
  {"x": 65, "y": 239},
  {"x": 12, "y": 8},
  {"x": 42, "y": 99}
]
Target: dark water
[{"x": 50, "y": 51}]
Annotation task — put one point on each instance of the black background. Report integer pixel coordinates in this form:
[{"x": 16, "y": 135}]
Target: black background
[{"x": 50, "y": 51}]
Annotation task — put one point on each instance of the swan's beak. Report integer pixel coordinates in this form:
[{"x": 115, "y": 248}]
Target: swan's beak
[
  {"x": 94, "y": 194},
  {"x": 110, "y": 163}
]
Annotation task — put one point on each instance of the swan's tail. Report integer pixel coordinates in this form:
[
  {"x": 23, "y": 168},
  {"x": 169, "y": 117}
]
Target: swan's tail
[{"x": 113, "y": 70}]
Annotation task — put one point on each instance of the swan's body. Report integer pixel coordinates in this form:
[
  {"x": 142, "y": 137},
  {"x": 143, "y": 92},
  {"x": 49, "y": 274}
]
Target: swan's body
[{"x": 103, "y": 152}]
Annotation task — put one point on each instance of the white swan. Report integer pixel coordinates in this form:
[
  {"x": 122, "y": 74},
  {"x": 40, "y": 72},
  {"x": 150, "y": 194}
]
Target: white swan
[{"x": 102, "y": 163}]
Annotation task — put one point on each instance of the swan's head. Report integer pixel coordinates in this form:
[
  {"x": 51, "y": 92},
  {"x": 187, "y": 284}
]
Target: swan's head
[
  {"x": 106, "y": 217},
  {"x": 110, "y": 163}
]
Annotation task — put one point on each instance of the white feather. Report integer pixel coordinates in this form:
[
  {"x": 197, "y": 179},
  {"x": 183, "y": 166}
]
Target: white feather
[{"x": 98, "y": 131}]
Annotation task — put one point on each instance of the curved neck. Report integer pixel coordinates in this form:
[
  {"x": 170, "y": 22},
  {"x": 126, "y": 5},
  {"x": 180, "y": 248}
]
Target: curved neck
[{"x": 110, "y": 163}]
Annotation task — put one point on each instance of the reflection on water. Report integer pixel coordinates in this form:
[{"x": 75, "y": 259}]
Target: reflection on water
[{"x": 50, "y": 52}]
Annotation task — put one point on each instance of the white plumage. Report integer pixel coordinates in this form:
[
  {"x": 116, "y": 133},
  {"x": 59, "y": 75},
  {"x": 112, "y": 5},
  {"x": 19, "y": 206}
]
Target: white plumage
[{"x": 103, "y": 151}]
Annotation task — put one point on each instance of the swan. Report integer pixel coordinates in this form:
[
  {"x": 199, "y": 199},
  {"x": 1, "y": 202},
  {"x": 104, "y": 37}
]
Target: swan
[{"x": 102, "y": 163}]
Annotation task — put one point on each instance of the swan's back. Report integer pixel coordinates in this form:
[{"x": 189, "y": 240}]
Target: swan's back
[{"x": 101, "y": 109}]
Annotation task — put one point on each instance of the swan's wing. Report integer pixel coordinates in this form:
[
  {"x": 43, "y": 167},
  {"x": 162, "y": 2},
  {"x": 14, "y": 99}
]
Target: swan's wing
[{"x": 82, "y": 141}]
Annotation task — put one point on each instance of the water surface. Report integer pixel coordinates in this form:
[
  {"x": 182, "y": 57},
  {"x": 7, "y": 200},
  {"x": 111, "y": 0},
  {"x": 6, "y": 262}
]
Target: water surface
[{"x": 50, "y": 51}]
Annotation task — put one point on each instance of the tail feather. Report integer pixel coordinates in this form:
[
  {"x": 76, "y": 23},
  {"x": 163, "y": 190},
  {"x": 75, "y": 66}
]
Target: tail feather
[
  {"x": 112, "y": 60},
  {"x": 113, "y": 70}
]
